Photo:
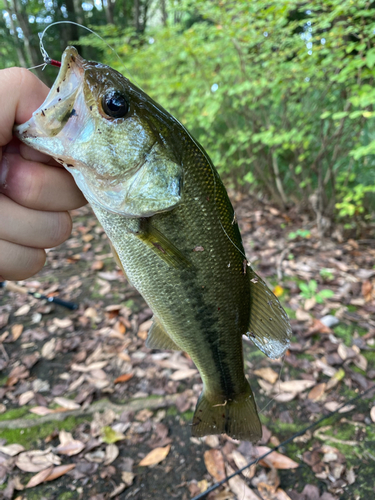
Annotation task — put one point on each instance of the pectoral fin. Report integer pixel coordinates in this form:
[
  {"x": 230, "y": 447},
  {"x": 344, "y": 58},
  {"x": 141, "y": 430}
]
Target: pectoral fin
[
  {"x": 159, "y": 339},
  {"x": 269, "y": 326},
  {"x": 155, "y": 240}
]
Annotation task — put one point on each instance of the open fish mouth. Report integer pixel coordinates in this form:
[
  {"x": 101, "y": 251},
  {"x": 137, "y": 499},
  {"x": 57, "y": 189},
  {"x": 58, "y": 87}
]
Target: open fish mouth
[{"x": 61, "y": 104}]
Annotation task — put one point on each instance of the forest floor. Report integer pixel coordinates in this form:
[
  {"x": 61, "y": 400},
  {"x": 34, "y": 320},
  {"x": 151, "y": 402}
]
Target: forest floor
[{"x": 88, "y": 412}]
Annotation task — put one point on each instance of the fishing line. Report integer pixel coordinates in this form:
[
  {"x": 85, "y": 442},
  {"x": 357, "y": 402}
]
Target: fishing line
[
  {"x": 278, "y": 389},
  {"x": 287, "y": 441},
  {"x": 46, "y": 57}
]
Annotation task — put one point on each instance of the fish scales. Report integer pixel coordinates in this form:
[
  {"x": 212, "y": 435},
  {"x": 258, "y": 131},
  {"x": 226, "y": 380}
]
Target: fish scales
[{"x": 172, "y": 229}]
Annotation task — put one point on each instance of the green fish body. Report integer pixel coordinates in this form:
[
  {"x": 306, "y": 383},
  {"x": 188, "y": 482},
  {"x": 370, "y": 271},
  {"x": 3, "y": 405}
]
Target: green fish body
[{"x": 172, "y": 229}]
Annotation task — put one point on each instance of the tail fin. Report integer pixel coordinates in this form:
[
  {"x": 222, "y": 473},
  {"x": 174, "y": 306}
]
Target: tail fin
[{"x": 237, "y": 417}]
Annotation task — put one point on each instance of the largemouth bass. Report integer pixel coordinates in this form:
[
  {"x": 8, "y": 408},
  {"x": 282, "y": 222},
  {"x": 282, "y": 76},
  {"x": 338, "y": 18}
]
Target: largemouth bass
[{"x": 172, "y": 229}]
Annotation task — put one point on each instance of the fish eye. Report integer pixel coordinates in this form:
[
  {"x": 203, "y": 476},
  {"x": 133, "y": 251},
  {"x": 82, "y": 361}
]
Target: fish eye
[{"x": 114, "y": 104}]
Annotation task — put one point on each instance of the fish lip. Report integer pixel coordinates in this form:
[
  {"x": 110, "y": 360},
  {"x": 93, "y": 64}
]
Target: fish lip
[{"x": 47, "y": 120}]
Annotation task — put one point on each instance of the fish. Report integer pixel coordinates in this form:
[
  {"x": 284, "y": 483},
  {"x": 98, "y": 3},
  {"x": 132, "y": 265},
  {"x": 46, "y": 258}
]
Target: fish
[{"x": 172, "y": 229}]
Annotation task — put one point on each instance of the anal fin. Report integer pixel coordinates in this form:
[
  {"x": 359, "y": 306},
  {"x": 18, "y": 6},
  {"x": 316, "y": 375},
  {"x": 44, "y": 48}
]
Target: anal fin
[
  {"x": 159, "y": 339},
  {"x": 269, "y": 326}
]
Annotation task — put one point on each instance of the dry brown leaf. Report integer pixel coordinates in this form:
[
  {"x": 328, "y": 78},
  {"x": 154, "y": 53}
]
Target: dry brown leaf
[
  {"x": 49, "y": 349},
  {"x": 183, "y": 374},
  {"x": 88, "y": 368},
  {"x": 62, "y": 322},
  {"x": 284, "y": 397},
  {"x": 12, "y": 449},
  {"x": 269, "y": 492},
  {"x": 22, "y": 310},
  {"x": 119, "y": 489},
  {"x": 67, "y": 403},
  {"x": 70, "y": 448},
  {"x": 276, "y": 459},
  {"x": 296, "y": 385},
  {"x": 39, "y": 478},
  {"x": 36, "y": 460},
  {"x": 361, "y": 362},
  {"x": 123, "y": 378},
  {"x": 25, "y": 398},
  {"x": 60, "y": 471},
  {"x": 155, "y": 456},
  {"x": 317, "y": 392},
  {"x": 266, "y": 386},
  {"x": 16, "y": 331},
  {"x": 267, "y": 374},
  {"x": 239, "y": 487},
  {"x": 42, "y": 410},
  {"x": 372, "y": 413},
  {"x": 111, "y": 453},
  {"x": 214, "y": 462},
  {"x": 127, "y": 477},
  {"x": 241, "y": 461},
  {"x": 333, "y": 405}
]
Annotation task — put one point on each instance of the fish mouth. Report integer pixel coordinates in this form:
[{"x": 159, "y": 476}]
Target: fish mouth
[{"x": 51, "y": 117}]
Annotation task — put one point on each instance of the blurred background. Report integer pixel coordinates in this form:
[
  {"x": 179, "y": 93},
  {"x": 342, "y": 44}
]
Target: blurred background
[{"x": 280, "y": 93}]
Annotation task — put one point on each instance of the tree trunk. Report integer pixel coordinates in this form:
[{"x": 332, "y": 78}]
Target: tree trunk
[
  {"x": 20, "y": 54},
  {"x": 164, "y": 14},
  {"x": 33, "y": 54}
]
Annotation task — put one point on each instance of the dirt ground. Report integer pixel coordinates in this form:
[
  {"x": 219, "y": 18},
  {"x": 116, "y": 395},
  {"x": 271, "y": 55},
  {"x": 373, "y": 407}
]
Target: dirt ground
[{"x": 88, "y": 412}]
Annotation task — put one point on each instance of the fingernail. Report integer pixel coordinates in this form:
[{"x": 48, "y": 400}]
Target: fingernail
[{"x": 4, "y": 170}]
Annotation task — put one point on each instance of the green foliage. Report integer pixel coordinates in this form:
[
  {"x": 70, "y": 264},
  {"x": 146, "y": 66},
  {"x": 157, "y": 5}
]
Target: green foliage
[
  {"x": 310, "y": 290},
  {"x": 302, "y": 233},
  {"x": 280, "y": 93},
  {"x": 326, "y": 274}
]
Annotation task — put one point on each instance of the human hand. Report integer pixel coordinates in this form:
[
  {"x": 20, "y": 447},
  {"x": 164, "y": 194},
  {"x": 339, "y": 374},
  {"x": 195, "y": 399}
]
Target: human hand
[{"x": 35, "y": 191}]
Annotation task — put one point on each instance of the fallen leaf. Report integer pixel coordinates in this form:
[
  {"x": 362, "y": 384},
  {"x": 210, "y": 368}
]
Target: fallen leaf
[
  {"x": 42, "y": 410},
  {"x": 98, "y": 365},
  {"x": 60, "y": 471},
  {"x": 241, "y": 461},
  {"x": 62, "y": 322},
  {"x": 155, "y": 456},
  {"x": 317, "y": 392},
  {"x": 49, "y": 349},
  {"x": 67, "y": 403},
  {"x": 25, "y": 398},
  {"x": 16, "y": 331},
  {"x": 276, "y": 459},
  {"x": 12, "y": 449},
  {"x": 36, "y": 460},
  {"x": 239, "y": 487},
  {"x": 39, "y": 478},
  {"x": 119, "y": 489},
  {"x": 70, "y": 448},
  {"x": 123, "y": 378},
  {"x": 111, "y": 453},
  {"x": 267, "y": 374},
  {"x": 284, "y": 397},
  {"x": 110, "y": 436},
  {"x": 269, "y": 492},
  {"x": 361, "y": 362},
  {"x": 333, "y": 405},
  {"x": 127, "y": 477},
  {"x": 214, "y": 462},
  {"x": 183, "y": 374},
  {"x": 309, "y": 304},
  {"x": 296, "y": 385},
  {"x": 22, "y": 310}
]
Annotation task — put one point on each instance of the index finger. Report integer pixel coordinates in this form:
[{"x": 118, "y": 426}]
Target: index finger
[{"x": 21, "y": 94}]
